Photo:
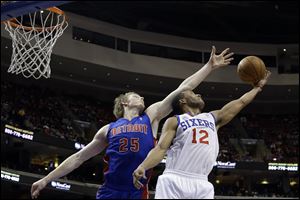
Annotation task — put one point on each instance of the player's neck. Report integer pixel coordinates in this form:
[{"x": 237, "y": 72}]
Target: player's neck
[
  {"x": 131, "y": 113},
  {"x": 192, "y": 111}
]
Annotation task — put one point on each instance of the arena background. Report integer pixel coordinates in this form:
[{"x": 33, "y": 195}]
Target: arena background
[{"x": 150, "y": 47}]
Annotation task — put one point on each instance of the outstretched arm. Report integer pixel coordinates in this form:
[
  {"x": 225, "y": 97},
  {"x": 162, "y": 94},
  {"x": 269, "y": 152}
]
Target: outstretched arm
[
  {"x": 157, "y": 154},
  {"x": 161, "y": 109},
  {"x": 230, "y": 110},
  {"x": 74, "y": 161}
]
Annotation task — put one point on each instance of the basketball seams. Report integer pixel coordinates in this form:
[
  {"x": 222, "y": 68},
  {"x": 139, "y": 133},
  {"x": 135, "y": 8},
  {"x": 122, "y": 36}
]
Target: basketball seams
[
  {"x": 243, "y": 73},
  {"x": 245, "y": 76},
  {"x": 262, "y": 69},
  {"x": 253, "y": 75},
  {"x": 253, "y": 67}
]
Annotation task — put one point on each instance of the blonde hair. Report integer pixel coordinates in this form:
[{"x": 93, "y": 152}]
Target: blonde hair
[{"x": 118, "y": 107}]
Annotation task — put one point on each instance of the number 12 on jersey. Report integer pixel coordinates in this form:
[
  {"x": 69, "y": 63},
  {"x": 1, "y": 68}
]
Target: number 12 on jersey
[{"x": 203, "y": 136}]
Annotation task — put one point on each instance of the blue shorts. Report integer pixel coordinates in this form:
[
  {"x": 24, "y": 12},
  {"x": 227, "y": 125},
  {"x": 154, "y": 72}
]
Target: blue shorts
[{"x": 105, "y": 192}]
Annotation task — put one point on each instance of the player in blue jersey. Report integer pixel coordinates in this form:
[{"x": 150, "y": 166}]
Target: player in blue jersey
[{"x": 129, "y": 139}]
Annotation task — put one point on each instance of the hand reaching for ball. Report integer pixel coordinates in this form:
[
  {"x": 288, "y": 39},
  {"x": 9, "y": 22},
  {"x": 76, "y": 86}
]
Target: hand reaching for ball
[
  {"x": 251, "y": 69},
  {"x": 263, "y": 81}
]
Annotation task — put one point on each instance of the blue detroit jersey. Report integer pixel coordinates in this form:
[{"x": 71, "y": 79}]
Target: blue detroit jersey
[{"x": 129, "y": 143}]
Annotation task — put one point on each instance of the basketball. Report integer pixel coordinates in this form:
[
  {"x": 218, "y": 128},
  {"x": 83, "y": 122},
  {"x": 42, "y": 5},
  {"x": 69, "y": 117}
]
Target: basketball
[{"x": 251, "y": 69}]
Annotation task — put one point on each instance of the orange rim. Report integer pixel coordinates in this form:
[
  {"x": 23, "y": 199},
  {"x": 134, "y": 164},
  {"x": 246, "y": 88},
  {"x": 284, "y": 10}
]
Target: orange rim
[{"x": 13, "y": 21}]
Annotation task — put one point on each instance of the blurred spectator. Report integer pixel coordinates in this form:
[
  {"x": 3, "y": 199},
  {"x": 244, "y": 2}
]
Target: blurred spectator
[{"x": 45, "y": 111}]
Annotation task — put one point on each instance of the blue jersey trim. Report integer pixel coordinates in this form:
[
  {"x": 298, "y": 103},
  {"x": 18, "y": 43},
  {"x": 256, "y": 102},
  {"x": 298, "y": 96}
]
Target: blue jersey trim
[
  {"x": 214, "y": 118},
  {"x": 178, "y": 120},
  {"x": 108, "y": 131}
]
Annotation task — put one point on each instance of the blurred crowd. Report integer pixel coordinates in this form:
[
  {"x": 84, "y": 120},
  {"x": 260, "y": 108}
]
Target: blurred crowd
[
  {"x": 279, "y": 133},
  {"x": 256, "y": 190},
  {"x": 43, "y": 111},
  {"x": 69, "y": 117}
]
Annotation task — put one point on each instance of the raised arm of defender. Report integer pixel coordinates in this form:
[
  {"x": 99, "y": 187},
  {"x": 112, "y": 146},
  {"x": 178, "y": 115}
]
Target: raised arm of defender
[
  {"x": 74, "y": 161},
  {"x": 161, "y": 109},
  {"x": 230, "y": 110}
]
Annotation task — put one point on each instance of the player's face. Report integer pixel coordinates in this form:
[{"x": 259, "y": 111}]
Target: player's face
[
  {"x": 194, "y": 100},
  {"x": 135, "y": 100}
]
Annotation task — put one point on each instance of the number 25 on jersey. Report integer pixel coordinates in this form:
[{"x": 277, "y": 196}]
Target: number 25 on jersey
[{"x": 132, "y": 145}]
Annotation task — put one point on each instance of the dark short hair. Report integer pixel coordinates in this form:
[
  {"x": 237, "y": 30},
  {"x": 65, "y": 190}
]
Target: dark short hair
[{"x": 176, "y": 104}]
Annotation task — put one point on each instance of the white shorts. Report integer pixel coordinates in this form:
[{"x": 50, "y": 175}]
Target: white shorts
[{"x": 177, "y": 185}]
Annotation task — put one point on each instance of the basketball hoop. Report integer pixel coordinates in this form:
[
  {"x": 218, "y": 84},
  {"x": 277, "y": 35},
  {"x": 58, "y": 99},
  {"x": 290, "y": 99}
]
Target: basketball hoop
[{"x": 33, "y": 38}]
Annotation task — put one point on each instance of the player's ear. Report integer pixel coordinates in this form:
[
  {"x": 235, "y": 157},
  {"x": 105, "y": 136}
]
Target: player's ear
[
  {"x": 124, "y": 103},
  {"x": 182, "y": 101}
]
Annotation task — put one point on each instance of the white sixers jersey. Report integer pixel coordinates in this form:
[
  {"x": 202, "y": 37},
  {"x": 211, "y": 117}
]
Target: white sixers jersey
[{"x": 195, "y": 147}]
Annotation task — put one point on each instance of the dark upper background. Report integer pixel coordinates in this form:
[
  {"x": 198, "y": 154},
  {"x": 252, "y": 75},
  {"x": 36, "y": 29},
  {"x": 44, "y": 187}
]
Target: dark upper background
[{"x": 237, "y": 21}]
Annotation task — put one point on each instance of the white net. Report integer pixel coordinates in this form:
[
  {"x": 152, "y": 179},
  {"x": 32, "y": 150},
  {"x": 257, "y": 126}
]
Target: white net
[{"x": 33, "y": 43}]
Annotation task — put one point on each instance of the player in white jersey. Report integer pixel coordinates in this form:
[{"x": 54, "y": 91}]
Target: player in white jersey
[{"x": 194, "y": 148}]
